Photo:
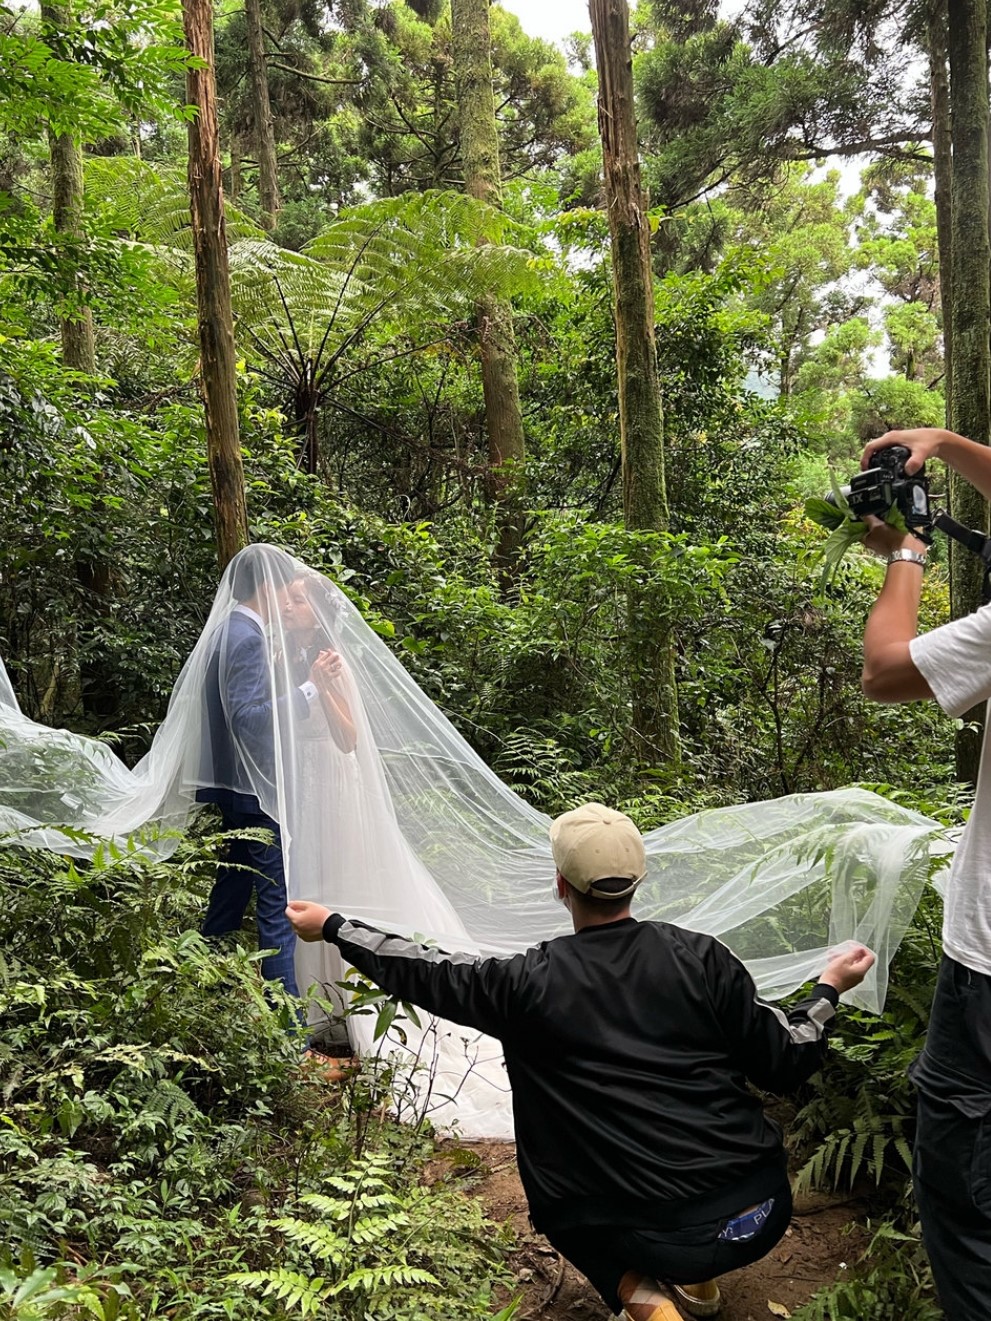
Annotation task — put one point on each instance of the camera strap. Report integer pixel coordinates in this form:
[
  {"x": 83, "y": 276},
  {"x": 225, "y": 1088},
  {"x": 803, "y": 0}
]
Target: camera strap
[{"x": 977, "y": 542}]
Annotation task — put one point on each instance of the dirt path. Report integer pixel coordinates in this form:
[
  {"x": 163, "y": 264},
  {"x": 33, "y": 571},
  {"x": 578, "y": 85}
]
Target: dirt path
[{"x": 811, "y": 1254}]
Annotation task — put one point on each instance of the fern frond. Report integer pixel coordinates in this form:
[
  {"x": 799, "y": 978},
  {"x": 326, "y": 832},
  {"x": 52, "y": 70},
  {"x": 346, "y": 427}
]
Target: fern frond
[
  {"x": 150, "y": 203},
  {"x": 293, "y": 1290},
  {"x": 372, "y": 1279}
]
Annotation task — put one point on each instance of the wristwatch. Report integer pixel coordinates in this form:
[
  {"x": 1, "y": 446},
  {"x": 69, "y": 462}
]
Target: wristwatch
[{"x": 912, "y": 556}]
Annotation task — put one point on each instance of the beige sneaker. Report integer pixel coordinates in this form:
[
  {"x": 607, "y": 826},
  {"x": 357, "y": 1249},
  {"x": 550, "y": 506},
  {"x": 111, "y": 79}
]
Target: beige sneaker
[
  {"x": 699, "y": 1299},
  {"x": 646, "y": 1300}
]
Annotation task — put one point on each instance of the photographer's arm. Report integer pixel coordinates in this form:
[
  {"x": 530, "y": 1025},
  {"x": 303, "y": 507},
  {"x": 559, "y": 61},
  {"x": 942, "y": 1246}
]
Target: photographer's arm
[
  {"x": 890, "y": 674},
  {"x": 966, "y": 457}
]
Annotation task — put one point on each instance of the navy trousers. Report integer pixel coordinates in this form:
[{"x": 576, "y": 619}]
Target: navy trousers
[
  {"x": 250, "y": 866},
  {"x": 952, "y": 1161}
]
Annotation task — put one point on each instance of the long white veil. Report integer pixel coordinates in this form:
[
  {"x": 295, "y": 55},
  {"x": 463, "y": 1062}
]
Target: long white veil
[{"x": 398, "y": 822}]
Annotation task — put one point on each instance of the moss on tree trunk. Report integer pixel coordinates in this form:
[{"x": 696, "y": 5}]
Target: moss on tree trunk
[
  {"x": 970, "y": 399},
  {"x": 213, "y": 291},
  {"x": 269, "y": 198},
  {"x": 98, "y": 684},
  {"x": 939, "y": 96},
  {"x": 641, "y": 421},
  {"x": 471, "y": 48}
]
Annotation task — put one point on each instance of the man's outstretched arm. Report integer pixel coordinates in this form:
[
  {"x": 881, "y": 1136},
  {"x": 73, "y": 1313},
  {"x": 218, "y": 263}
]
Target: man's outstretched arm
[
  {"x": 464, "y": 988},
  {"x": 779, "y": 1051}
]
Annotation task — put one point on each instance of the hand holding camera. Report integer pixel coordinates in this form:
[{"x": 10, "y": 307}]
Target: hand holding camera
[
  {"x": 885, "y": 507},
  {"x": 922, "y": 444}
]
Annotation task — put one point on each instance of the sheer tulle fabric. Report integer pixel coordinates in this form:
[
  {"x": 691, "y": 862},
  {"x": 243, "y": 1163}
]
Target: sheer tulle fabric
[{"x": 410, "y": 830}]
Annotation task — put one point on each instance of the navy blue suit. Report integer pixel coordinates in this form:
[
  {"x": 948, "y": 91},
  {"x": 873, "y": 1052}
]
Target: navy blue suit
[{"x": 239, "y": 718}]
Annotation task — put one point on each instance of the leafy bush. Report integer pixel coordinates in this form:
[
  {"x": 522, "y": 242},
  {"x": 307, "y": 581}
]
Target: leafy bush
[
  {"x": 376, "y": 1246},
  {"x": 891, "y": 1282},
  {"x": 158, "y": 1119}
]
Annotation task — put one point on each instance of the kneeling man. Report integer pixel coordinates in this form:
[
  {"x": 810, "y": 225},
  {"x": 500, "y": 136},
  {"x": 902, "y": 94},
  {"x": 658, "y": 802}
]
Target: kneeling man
[{"x": 645, "y": 1158}]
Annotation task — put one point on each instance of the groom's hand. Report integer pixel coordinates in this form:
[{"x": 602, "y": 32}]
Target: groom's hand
[{"x": 307, "y": 919}]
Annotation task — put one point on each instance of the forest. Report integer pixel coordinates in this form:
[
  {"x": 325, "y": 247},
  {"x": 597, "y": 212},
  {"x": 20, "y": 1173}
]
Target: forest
[{"x": 536, "y": 351}]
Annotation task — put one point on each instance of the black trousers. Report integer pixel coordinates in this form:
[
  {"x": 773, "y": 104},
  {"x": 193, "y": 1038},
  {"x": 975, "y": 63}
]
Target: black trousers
[
  {"x": 689, "y": 1255},
  {"x": 952, "y": 1161}
]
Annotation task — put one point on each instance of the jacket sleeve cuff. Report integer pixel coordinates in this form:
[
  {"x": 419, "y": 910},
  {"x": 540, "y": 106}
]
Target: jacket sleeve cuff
[
  {"x": 821, "y": 991},
  {"x": 331, "y": 927}
]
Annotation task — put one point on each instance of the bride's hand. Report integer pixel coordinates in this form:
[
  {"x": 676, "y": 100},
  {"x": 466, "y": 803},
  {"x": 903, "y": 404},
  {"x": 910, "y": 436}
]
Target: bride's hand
[
  {"x": 326, "y": 669},
  {"x": 307, "y": 919}
]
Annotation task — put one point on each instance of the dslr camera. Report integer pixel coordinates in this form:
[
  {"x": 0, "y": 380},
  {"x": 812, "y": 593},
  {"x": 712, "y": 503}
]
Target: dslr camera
[{"x": 884, "y": 483}]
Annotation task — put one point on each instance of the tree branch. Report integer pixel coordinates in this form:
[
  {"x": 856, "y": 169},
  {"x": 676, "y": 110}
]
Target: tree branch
[{"x": 316, "y": 77}]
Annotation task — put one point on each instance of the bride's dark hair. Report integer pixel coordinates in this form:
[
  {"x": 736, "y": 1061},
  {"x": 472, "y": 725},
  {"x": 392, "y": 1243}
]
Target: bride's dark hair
[{"x": 321, "y": 594}]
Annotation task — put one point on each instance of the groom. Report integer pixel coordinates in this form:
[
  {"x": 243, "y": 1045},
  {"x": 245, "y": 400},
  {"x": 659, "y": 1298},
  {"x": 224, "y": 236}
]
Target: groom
[{"x": 238, "y": 759}]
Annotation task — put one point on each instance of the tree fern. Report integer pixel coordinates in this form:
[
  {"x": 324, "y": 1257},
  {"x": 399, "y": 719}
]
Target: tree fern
[
  {"x": 150, "y": 205},
  {"x": 418, "y": 263}
]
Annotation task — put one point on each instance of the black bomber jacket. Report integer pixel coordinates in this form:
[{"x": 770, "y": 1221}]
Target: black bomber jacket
[{"x": 629, "y": 1047}]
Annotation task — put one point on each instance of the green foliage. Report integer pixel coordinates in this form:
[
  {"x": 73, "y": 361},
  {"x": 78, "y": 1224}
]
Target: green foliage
[
  {"x": 73, "y": 461},
  {"x": 378, "y": 1251},
  {"x": 33, "y": 1293},
  {"x": 894, "y": 404},
  {"x": 845, "y": 531},
  {"x": 890, "y": 1282},
  {"x": 156, "y": 1115},
  {"x": 78, "y": 75},
  {"x": 409, "y": 129}
]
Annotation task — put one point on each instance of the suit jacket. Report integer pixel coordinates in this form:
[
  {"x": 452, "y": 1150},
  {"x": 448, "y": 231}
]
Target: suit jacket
[{"x": 239, "y": 716}]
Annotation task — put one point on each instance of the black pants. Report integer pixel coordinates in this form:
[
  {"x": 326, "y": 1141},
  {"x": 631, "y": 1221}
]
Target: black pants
[
  {"x": 952, "y": 1164},
  {"x": 673, "y": 1256}
]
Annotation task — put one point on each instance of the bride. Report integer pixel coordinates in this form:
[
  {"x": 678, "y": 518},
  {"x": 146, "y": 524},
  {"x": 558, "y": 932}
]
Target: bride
[{"x": 388, "y": 815}]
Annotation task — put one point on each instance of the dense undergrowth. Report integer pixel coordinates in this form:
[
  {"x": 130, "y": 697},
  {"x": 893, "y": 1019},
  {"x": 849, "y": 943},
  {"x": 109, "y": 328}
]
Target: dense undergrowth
[{"x": 164, "y": 1150}]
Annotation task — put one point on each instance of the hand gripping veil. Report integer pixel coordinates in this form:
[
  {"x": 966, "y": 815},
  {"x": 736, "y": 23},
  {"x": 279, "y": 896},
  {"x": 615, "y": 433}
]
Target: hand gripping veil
[{"x": 389, "y": 816}]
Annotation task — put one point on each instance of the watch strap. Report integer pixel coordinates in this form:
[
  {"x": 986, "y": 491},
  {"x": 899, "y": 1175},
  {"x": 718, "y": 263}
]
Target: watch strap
[{"x": 910, "y": 556}]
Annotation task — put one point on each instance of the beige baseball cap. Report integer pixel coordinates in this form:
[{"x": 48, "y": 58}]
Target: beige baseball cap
[{"x": 593, "y": 843}]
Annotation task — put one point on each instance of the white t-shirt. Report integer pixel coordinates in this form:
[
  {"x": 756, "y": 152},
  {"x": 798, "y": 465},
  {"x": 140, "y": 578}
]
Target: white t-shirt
[{"x": 955, "y": 660}]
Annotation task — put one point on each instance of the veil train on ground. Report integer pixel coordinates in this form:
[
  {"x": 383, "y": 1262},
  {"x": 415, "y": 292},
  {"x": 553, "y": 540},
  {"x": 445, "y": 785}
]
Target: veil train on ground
[{"x": 407, "y": 828}]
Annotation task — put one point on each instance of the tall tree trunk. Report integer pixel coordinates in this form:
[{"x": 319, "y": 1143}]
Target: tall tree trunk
[
  {"x": 92, "y": 566},
  {"x": 970, "y": 312},
  {"x": 640, "y": 414},
  {"x": 261, "y": 109},
  {"x": 213, "y": 290},
  {"x": 78, "y": 349},
  {"x": 471, "y": 46},
  {"x": 939, "y": 94}
]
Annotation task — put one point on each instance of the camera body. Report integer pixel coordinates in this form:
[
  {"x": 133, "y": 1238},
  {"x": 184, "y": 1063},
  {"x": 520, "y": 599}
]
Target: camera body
[{"x": 884, "y": 483}]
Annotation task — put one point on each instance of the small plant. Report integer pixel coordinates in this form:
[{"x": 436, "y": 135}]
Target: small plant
[
  {"x": 371, "y": 1248},
  {"x": 891, "y": 1282},
  {"x": 156, "y": 1115},
  {"x": 30, "y": 1292}
]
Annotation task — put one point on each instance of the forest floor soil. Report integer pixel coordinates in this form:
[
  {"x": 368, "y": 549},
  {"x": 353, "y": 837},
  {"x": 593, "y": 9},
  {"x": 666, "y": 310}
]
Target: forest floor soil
[{"x": 814, "y": 1252}]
